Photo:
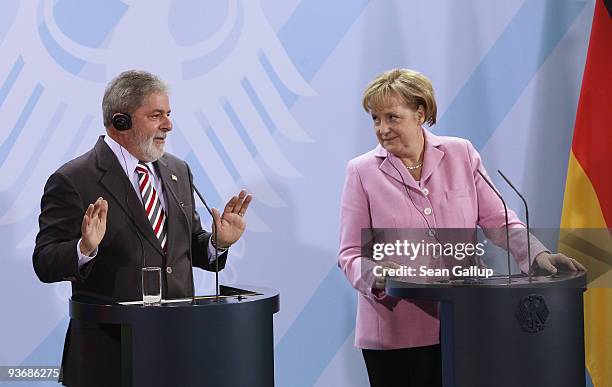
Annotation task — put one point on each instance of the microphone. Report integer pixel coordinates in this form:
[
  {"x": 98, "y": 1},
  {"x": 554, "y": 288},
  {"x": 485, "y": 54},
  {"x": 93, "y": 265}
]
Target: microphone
[
  {"x": 214, "y": 230},
  {"x": 529, "y": 271},
  {"x": 190, "y": 258},
  {"x": 506, "y": 213}
]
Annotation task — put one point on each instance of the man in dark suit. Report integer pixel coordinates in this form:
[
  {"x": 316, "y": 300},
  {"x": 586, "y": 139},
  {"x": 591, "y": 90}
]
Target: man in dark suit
[{"x": 122, "y": 206}]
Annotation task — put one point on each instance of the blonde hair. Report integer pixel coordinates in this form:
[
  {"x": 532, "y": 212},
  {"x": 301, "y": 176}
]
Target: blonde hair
[{"x": 411, "y": 86}]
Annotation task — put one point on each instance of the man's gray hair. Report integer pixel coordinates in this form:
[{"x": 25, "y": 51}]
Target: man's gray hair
[{"x": 126, "y": 93}]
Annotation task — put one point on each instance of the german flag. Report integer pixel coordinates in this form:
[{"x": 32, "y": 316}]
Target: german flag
[{"x": 588, "y": 193}]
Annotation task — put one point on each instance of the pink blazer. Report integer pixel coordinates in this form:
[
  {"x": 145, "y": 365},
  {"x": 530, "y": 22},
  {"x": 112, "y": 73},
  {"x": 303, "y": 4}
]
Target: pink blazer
[{"x": 450, "y": 191}]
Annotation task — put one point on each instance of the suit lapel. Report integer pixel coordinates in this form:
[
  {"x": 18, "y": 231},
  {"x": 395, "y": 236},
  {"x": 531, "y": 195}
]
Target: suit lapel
[
  {"x": 120, "y": 188},
  {"x": 394, "y": 168},
  {"x": 431, "y": 155},
  {"x": 175, "y": 214}
]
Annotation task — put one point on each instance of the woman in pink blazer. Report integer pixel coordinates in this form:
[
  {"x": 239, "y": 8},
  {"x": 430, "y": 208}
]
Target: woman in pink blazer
[{"x": 412, "y": 179}]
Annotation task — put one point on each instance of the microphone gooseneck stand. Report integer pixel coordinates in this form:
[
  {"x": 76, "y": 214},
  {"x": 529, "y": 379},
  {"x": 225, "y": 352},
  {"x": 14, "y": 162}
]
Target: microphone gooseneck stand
[
  {"x": 529, "y": 271},
  {"x": 506, "y": 213},
  {"x": 214, "y": 230}
]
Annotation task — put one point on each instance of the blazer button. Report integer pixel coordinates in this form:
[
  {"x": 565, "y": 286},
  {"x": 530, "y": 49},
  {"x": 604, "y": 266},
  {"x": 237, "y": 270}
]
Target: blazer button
[
  {"x": 427, "y": 211},
  {"x": 169, "y": 270}
]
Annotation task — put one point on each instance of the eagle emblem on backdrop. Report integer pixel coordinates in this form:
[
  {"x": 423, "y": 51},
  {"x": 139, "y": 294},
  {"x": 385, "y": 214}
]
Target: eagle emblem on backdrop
[{"x": 223, "y": 61}]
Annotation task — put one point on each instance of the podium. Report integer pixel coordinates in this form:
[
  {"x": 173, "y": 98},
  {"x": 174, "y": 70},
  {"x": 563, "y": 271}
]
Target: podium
[
  {"x": 226, "y": 342},
  {"x": 507, "y": 334}
]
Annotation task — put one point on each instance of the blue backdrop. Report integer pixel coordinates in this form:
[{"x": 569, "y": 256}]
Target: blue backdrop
[{"x": 266, "y": 95}]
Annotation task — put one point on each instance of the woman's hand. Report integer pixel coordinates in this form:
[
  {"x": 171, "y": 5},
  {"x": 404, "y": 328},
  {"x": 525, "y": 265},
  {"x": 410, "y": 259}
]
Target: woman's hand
[
  {"x": 380, "y": 281},
  {"x": 550, "y": 262}
]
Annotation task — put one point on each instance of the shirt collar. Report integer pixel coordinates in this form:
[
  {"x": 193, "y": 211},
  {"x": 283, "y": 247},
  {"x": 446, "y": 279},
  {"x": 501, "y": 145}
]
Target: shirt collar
[{"x": 125, "y": 158}]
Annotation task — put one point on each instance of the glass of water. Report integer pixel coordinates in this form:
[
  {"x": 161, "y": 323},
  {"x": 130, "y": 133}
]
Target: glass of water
[{"x": 151, "y": 286}]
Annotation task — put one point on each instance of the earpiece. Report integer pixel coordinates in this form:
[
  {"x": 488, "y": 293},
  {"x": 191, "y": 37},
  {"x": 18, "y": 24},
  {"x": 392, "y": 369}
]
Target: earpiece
[{"x": 122, "y": 121}]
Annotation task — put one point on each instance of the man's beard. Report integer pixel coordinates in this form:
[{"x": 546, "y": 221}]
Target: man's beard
[{"x": 147, "y": 147}]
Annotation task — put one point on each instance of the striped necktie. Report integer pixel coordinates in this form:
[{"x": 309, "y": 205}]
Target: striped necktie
[{"x": 152, "y": 204}]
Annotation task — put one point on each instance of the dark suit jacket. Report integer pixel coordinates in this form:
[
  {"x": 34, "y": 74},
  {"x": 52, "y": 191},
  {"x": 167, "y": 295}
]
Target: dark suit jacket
[{"x": 92, "y": 352}]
